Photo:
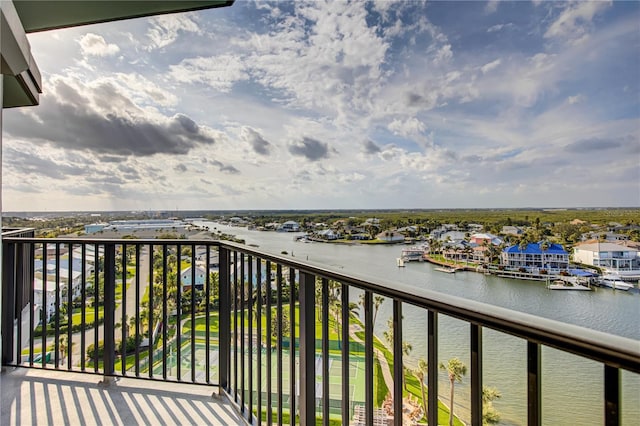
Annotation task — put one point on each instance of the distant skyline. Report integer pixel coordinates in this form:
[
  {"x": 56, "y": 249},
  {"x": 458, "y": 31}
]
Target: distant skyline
[{"x": 313, "y": 105}]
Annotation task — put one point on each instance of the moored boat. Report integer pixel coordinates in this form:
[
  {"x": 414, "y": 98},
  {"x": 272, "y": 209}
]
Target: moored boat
[
  {"x": 444, "y": 269},
  {"x": 615, "y": 283},
  {"x": 567, "y": 285}
]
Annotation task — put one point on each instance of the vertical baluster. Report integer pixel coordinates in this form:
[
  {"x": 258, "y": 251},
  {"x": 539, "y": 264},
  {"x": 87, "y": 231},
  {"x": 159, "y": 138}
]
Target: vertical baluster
[
  {"x": 611, "y": 396},
  {"x": 259, "y": 301},
  {"x": 476, "y": 375},
  {"x": 398, "y": 365},
  {"x": 268, "y": 342},
  {"x": 164, "y": 311},
  {"x": 193, "y": 313},
  {"x": 96, "y": 304},
  {"x": 250, "y": 334},
  {"x": 19, "y": 298},
  {"x": 123, "y": 304},
  {"x": 243, "y": 354},
  {"x": 307, "y": 349},
  {"x": 83, "y": 308},
  {"x": 32, "y": 302},
  {"x": 368, "y": 356},
  {"x": 45, "y": 306},
  {"x": 279, "y": 339},
  {"x": 137, "y": 309},
  {"x": 207, "y": 313},
  {"x": 534, "y": 408},
  {"x": 178, "y": 316},
  {"x": 325, "y": 351},
  {"x": 344, "y": 300},
  {"x": 432, "y": 366},
  {"x": 70, "y": 291},
  {"x": 224, "y": 306},
  {"x": 109, "y": 309},
  {"x": 150, "y": 327},
  {"x": 58, "y": 288},
  {"x": 235, "y": 326},
  {"x": 292, "y": 346}
]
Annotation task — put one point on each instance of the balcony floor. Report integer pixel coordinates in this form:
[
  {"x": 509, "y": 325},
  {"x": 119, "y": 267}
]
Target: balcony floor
[{"x": 45, "y": 397}]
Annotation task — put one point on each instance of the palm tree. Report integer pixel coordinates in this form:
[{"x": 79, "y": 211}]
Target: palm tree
[
  {"x": 377, "y": 301},
  {"x": 489, "y": 414},
  {"x": 455, "y": 369},
  {"x": 421, "y": 373}
]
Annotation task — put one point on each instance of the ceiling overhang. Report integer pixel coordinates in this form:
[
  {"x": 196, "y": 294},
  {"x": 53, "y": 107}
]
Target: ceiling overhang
[{"x": 21, "y": 81}]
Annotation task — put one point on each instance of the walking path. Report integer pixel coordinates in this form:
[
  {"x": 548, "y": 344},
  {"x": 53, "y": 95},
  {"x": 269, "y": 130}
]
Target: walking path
[{"x": 384, "y": 364}]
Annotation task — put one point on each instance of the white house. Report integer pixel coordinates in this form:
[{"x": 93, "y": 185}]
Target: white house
[
  {"x": 48, "y": 306},
  {"x": 613, "y": 258},
  {"x": 186, "y": 275},
  {"x": 390, "y": 236},
  {"x": 328, "y": 234},
  {"x": 289, "y": 226}
]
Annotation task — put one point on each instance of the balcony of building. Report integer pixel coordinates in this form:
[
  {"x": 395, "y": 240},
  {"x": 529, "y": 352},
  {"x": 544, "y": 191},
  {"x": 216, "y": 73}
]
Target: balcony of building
[{"x": 266, "y": 339}]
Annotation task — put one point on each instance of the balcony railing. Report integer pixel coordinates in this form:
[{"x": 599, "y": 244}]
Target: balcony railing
[{"x": 220, "y": 313}]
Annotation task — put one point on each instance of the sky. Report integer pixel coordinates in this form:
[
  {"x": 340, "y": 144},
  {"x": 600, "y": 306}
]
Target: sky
[{"x": 337, "y": 105}]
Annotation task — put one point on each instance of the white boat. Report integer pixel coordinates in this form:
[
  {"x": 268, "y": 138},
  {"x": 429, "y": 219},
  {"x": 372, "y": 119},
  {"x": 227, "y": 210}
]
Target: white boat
[
  {"x": 400, "y": 262},
  {"x": 615, "y": 283},
  {"x": 447, "y": 270},
  {"x": 567, "y": 285}
]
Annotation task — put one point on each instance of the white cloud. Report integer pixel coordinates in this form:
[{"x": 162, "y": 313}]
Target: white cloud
[
  {"x": 575, "y": 20},
  {"x": 165, "y": 29},
  {"x": 95, "y": 45},
  {"x": 407, "y": 128},
  {"x": 490, "y": 66},
  {"x": 218, "y": 72},
  {"x": 571, "y": 100},
  {"x": 492, "y": 6}
]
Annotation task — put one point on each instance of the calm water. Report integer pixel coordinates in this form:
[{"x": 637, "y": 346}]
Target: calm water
[{"x": 572, "y": 386}]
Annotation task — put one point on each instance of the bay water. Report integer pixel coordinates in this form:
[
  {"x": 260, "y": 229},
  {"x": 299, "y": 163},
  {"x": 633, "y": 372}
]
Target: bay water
[{"x": 572, "y": 387}]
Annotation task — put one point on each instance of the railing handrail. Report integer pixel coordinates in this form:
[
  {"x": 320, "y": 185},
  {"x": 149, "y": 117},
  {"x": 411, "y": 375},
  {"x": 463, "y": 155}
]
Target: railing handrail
[{"x": 612, "y": 350}]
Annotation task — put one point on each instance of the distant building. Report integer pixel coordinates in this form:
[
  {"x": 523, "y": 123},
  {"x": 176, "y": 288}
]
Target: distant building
[
  {"x": 289, "y": 226},
  {"x": 328, "y": 234},
  {"x": 480, "y": 239},
  {"x": 532, "y": 258},
  {"x": 186, "y": 275},
  {"x": 94, "y": 227},
  {"x": 613, "y": 258},
  {"x": 390, "y": 236},
  {"x": 511, "y": 230}
]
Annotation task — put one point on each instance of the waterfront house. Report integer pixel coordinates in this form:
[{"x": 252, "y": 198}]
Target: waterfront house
[
  {"x": 613, "y": 258},
  {"x": 485, "y": 238},
  {"x": 535, "y": 257},
  {"x": 390, "y": 237},
  {"x": 289, "y": 226},
  {"x": 328, "y": 234}
]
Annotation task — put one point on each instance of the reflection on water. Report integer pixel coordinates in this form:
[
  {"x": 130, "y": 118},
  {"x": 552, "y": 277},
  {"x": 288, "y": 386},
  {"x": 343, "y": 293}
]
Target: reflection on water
[{"x": 572, "y": 386}]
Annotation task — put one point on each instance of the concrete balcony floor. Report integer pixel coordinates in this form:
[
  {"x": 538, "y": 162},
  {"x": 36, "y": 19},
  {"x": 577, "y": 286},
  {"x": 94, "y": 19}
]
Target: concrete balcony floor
[{"x": 45, "y": 397}]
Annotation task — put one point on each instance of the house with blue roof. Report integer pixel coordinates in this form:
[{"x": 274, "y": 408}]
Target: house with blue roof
[{"x": 536, "y": 256}]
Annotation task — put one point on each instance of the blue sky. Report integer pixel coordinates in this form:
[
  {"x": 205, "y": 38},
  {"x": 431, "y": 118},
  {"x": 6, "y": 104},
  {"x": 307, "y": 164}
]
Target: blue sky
[{"x": 335, "y": 105}]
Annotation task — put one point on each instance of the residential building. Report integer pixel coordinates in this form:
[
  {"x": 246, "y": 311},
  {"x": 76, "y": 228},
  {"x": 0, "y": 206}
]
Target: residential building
[
  {"x": 186, "y": 275},
  {"x": 613, "y": 258},
  {"x": 533, "y": 258},
  {"x": 390, "y": 236},
  {"x": 480, "y": 239},
  {"x": 289, "y": 226},
  {"x": 511, "y": 230}
]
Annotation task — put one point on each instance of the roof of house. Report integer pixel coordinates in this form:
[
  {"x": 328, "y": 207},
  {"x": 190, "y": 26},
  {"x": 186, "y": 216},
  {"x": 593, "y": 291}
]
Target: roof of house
[
  {"x": 534, "y": 248},
  {"x": 601, "y": 247}
]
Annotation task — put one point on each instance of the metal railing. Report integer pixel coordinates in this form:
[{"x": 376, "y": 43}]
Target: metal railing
[{"x": 255, "y": 324}]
